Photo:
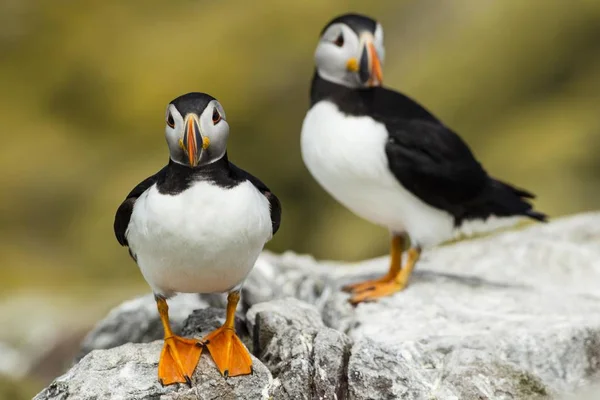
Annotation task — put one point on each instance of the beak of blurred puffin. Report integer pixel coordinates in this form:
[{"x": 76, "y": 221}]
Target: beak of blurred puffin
[{"x": 369, "y": 68}]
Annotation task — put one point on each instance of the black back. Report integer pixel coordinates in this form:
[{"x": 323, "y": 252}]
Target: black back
[
  {"x": 175, "y": 178},
  {"x": 426, "y": 157}
]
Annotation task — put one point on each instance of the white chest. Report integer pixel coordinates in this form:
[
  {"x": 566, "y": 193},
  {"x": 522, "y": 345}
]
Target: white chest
[
  {"x": 346, "y": 155},
  {"x": 343, "y": 152},
  {"x": 204, "y": 239}
]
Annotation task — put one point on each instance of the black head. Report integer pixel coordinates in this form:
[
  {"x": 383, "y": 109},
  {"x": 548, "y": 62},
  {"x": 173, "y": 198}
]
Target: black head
[
  {"x": 350, "y": 51},
  {"x": 358, "y": 23},
  {"x": 196, "y": 130},
  {"x": 194, "y": 102}
]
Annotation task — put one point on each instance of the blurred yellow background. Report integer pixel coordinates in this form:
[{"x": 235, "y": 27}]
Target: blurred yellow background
[{"x": 85, "y": 85}]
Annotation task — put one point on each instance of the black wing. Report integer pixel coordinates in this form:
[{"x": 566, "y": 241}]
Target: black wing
[
  {"x": 124, "y": 211},
  {"x": 433, "y": 163},
  {"x": 273, "y": 200}
]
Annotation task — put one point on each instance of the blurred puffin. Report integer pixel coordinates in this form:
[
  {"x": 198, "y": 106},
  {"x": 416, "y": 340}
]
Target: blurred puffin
[
  {"x": 198, "y": 226},
  {"x": 389, "y": 160}
]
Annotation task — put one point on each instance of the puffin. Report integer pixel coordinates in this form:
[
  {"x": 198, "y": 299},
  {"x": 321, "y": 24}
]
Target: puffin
[
  {"x": 197, "y": 226},
  {"x": 390, "y": 161}
]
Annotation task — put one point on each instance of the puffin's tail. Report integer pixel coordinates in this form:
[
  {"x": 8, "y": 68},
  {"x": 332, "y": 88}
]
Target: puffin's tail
[
  {"x": 500, "y": 205},
  {"x": 513, "y": 201}
]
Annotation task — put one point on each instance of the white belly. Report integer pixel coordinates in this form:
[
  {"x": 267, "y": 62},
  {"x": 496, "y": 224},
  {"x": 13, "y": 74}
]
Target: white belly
[
  {"x": 346, "y": 155},
  {"x": 205, "y": 239}
]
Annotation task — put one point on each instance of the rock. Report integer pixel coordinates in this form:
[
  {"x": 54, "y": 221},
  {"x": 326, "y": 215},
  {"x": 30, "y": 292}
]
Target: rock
[
  {"x": 414, "y": 371},
  {"x": 288, "y": 275},
  {"x": 201, "y": 322},
  {"x": 129, "y": 372},
  {"x": 137, "y": 321},
  {"x": 330, "y": 360},
  {"x": 591, "y": 392},
  {"x": 482, "y": 318},
  {"x": 307, "y": 358},
  {"x": 510, "y": 316}
]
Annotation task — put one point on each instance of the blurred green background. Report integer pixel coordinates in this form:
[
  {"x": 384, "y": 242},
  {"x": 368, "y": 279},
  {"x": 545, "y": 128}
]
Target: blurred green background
[{"x": 85, "y": 85}]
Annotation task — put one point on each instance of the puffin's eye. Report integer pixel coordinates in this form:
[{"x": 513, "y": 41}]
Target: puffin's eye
[
  {"x": 339, "y": 42},
  {"x": 170, "y": 120},
  {"x": 216, "y": 117}
]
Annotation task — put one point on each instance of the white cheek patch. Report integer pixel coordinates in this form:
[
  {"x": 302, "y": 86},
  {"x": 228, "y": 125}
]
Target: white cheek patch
[
  {"x": 217, "y": 134},
  {"x": 331, "y": 60},
  {"x": 175, "y": 135}
]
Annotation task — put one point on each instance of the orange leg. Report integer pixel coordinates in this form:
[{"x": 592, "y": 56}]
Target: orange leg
[
  {"x": 394, "y": 281},
  {"x": 395, "y": 263},
  {"x": 225, "y": 347},
  {"x": 179, "y": 355}
]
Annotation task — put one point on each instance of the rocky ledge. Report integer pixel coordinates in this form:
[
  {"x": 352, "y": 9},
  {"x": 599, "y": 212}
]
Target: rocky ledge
[{"x": 511, "y": 316}]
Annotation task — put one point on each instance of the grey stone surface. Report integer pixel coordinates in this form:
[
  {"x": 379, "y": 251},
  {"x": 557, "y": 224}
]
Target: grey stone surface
[
  {"x": 510, "y": 316},
  {"x": 284, "y": 332},
  {"x": 201, "y": 322},
  {"x": 278, "y": 277},
  {"x": 130, "y": 372},
  {"x": 590, "y": 392},
  {"x": 489, "y": 318},
  {"x": 330, "y": 361},
  {"x": 307, "y": 358}
]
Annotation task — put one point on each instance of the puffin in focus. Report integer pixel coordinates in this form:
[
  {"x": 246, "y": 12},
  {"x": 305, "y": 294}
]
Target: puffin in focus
[
  {"x": 198, "y": 226},
  {"x": 390, "y": 161}
]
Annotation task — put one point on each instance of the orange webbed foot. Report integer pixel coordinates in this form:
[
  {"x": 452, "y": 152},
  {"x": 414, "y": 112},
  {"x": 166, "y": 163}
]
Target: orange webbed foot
[
  {"x": 365, "y": 285},
  {"x": 228, "y": 352},
  {"x": 394, "y": 281},
  {"x": 178, "y": 360},
  {"x": 377, "y": 290}
]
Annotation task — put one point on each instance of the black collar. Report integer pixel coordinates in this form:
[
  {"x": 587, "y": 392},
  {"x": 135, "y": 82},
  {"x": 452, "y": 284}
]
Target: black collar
[
  {"x": 378, "y": 102},
  {"x": 177, "y": 177}
]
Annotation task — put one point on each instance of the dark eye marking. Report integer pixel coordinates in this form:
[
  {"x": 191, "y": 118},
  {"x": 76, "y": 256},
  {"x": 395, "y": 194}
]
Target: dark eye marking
[
  {"x": 339, "y": 41},
  {"x": 216, "y": 117}
]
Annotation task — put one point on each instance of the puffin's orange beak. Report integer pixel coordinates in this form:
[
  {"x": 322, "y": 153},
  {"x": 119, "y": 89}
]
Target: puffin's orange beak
[
  {"x": 191, "y": 138},
  {"x": 370, "y": 71},
  {"x": 376, "y": 75}
]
